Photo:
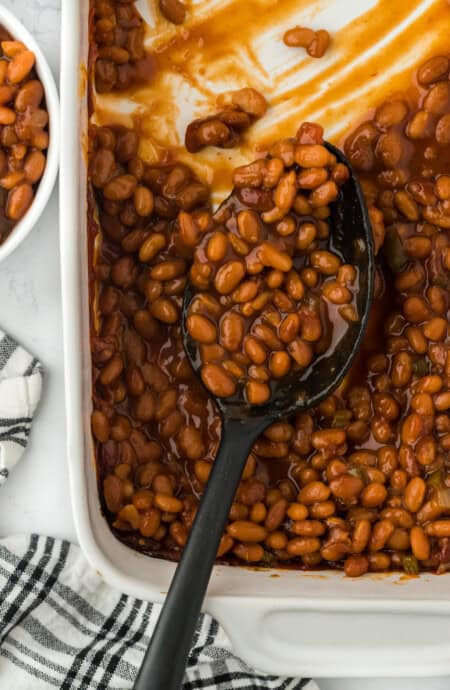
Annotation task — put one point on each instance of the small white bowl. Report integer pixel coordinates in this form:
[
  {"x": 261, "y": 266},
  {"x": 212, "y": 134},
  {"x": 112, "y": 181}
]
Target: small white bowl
[{"x": 46, "y": 184}]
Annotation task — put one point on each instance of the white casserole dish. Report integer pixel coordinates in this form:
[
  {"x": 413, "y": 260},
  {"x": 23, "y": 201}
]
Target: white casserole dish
[{"x": 283, "y": 622}]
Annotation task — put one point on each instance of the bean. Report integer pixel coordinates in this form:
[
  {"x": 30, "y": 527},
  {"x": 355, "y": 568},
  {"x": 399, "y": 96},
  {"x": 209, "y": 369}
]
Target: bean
[
  {"x": 379, "y": 562},
  {"x": 299, "y": 546},
  {"x": 120, "y": 188},
  {"x": 336, "y": 293},
  {"x": 420, "y": 544},
  {"x": 442, "y": 401},
  {"x": 412, "y": 428},
  {"x": 355, "y": 566},
  {"x": 100, "y": 426},
  {"x": 254, "y": 350},
  {"x": 250, "y": 101},
  {"x": 381, "y": 533},
  {"x": 279, "y": 364},
  {"x": 321, "y": 440},
  {"x": 299, "y": 37},
  {"x": 249, "y": 226},
  {"x": 19, "y": 201},
  {"x": 373, "y": 495},
  {"x": 201, "y": 328},
  {"x": 311, "y": 156},
  {"x": 414, "y": 494},
  {"x": 391, "y": 113},
  {"x": 308, "y": 528},
  {"x": 271, "y": 256},
  {"x": 191, "y": 442},
  {"x": 34, "y": 165},
  {"x": 228, "y": 277},
  {"x": 168, "y": 504},
  {"x": 325, "y": 262},
  {"x": 231, "y": 331},
  {"x": 435, "y": 329},
  {"x": 168, "y": 270},
  {"x": 163, "y": 309},
  {"x": 20, "y": 66},
  {"x": 426, "y": 450},
  {"x": 361, "y": 535},
  {"x": 143, "y": 201},
  {"x": 314, "y": 492},
  {"x": 420, "y": 125},
  {"x": 346, "y": 487},
  {"x": 401, "y": 371},
  {"x": 301, "y": 352},
  {"x": 144, "y": 407},
  {"x": 319, "y": 44},
  {"x": 246, "y": 531},
  {"x": 257, "y": 392},
  {"x": 324, "y": 194},
  {"x": 145, "y": 324},
  {"x": 250, "y": 553},
  {"x": 113, "y": 493},
  {"x": 437, "y": 98},
  {"x": 217, "y": 380},
  {"x": 432, "y": 70},
  {"x": 442, "y": 131}
]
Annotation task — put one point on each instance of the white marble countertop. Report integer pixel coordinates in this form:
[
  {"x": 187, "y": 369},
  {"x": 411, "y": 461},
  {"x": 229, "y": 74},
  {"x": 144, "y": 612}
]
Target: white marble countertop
[{"x": 36, "y": 496}]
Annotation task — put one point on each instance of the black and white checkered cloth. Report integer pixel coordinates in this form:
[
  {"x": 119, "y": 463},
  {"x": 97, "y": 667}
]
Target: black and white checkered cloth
[
  {"x": 62, "y": 626},
  {"x": 20, "y": 392}
]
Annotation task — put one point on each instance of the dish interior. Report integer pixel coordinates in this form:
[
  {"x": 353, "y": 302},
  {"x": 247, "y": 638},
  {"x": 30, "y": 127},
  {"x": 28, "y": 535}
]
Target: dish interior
[{"x": 297, "y": 88}]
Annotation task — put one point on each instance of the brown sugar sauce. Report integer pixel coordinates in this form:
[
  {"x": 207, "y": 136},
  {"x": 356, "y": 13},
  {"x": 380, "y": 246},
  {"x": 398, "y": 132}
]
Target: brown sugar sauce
[{"x": 361, "y": 481}]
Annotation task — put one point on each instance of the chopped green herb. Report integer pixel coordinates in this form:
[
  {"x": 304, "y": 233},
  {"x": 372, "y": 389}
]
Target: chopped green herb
[
  {"x": 411, "y": 565},
  {"x": 421, "y": 366},
  {"x": 393, "y": 251},
  {"x": 435, "y": 480},
  {"x": 268, "y": 558},
  {"x": 440, "y": 281},
  {"x": 358, "y": 472},
  {"x": 341, "y": 418}
]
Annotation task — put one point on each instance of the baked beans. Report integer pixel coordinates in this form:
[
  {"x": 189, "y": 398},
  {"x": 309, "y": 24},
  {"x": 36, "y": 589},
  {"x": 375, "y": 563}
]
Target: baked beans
[
  {"x": 315, "y": 42},
  {"x": 251, "y": 303},
  {"x": 24, "y": 132},
  {"x": 359, "y": 483}
]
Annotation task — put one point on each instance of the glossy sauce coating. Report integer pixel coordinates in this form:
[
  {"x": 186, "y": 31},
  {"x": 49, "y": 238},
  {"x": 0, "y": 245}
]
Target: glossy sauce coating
[
  {"x": 270, "y": 296},
  {"x": 359, "y": 483}
]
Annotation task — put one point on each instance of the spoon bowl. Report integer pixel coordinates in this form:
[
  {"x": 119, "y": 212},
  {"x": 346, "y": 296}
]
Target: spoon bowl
[
  {"x": 351, "y": 239},
  {"x": 242, "y": 423}
]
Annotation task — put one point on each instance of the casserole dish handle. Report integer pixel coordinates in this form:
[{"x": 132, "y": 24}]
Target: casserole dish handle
[{"x": 296, "y": 638}]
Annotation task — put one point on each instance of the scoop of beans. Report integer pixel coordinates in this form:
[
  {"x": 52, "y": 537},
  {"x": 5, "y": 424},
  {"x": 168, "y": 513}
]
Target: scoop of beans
[
  {"x": 224, "y": 128},
  {"x": 254, "y": 317},
  {"x": 24, "y": 136}
]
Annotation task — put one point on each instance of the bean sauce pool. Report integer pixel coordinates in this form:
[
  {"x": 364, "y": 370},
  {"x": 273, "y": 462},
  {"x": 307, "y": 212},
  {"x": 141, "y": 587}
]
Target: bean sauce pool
[{"x": 361, "y": 482}]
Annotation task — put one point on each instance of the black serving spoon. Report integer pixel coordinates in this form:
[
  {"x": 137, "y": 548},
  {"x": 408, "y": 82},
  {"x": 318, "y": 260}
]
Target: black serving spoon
[{"x": 350, "y": 237}]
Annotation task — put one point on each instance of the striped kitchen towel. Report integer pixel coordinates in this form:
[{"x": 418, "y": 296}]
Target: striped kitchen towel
[
  {"x": 62, "y": 626},
  {"x": 20, "y": 391}
]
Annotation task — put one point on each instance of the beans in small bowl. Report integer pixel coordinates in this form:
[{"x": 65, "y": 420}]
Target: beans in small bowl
[
  {"x": 269, "y": 291},
  {"x": 28, "y": 158}
]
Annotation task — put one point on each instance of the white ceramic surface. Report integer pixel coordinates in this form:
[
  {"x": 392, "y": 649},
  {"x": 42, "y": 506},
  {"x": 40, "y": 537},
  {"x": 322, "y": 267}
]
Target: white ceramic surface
[
  {"x": 23, "y": 228},
  {"x": 292, "y": 624},
  {"x": 36, "y": 496}
]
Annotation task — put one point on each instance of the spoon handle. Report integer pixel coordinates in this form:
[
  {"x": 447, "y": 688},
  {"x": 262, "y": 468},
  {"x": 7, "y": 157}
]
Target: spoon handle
[{"x": 165, "y": 660}]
